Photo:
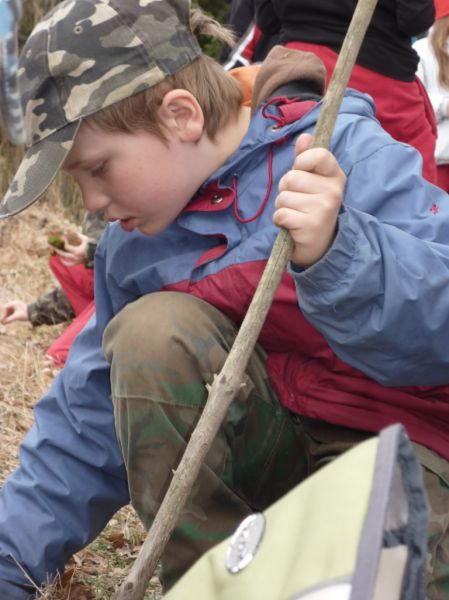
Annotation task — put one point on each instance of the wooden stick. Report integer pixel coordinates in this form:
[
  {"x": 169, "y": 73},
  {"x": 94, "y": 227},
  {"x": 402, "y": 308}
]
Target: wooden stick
[{"x": 228, "y": 382}]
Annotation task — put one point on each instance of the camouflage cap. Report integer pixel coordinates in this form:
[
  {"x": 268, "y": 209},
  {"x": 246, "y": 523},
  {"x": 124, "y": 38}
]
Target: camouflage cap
[{"x": 83, "y": 56}]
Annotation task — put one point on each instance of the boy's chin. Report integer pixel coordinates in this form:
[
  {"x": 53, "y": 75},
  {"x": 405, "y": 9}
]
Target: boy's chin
[{"x": 151, "y": 228}]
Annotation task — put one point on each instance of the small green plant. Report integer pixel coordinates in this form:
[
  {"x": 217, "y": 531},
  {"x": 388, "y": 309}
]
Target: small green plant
[{"x": 56, "y": 241}]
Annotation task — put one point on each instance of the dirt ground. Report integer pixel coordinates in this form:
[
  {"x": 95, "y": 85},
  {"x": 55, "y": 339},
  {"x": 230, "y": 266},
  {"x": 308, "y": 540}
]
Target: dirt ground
[{"x": 95, "y": 572}]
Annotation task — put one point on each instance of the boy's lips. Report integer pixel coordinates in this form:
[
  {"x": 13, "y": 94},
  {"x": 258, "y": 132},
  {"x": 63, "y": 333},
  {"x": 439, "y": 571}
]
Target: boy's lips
[{"x": 128, "y": 224}]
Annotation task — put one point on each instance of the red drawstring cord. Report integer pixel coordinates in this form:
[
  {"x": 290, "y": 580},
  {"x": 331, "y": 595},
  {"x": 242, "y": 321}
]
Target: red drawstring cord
[
  {"x": 267, "y": 193},
  {"x": 280, "y": 121},
  {"x": 274, "y": 101}
]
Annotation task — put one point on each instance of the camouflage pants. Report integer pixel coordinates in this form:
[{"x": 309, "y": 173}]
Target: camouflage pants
[{"x": 163, "y": 349}]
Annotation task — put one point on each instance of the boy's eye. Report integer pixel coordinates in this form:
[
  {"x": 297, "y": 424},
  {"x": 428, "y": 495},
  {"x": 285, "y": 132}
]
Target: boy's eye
[{"x": 98, "y": 170}]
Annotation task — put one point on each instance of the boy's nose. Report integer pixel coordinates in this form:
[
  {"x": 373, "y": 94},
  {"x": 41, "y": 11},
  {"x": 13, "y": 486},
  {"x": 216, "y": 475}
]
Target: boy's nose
[{"x": 95, "y": 201}]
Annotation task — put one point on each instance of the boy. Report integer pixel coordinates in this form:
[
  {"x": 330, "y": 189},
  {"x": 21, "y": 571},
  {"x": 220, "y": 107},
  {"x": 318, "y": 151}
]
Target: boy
[{"x": 155, "y": 134}]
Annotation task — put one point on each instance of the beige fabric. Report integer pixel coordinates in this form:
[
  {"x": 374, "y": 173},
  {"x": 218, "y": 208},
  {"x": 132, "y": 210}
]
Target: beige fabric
[{"x": 282, "y": 66}]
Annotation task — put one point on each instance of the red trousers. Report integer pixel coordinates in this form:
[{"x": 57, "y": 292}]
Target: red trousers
[
  {"x": 443, "y": 177},
  {"x": 403, "y": 108},
  {"x": 78, "y": 285}
]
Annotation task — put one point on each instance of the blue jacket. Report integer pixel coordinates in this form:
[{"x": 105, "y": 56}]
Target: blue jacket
[{"x": 378, "y": 299}]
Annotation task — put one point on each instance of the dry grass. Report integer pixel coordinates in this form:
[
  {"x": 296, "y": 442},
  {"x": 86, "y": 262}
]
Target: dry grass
[{"x": 95, "y": 572}]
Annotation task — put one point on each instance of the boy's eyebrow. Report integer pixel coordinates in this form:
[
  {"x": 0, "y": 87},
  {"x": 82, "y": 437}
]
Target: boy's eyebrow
[{"x": 70, "y": 165}]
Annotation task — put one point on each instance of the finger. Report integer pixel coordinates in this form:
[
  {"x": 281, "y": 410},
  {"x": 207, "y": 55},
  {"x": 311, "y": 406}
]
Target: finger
[
  {"x": 305, "y": 182},
  {"x": 67, "y": 262},
  {"x": 63, "y": 253},
  {"x": 319, "y": 187},
  {"x": 308, "y": 203},
  {"x": 9, "y": 317},
  {"x": 69, "y": 248},
  {"x": 290, "y": 219},
  {"x": 303, "y": 143},
  {"x": 319, "y": 161},
  {"x": 5, "y": 313},
  {"x": 71, "y": 256}
]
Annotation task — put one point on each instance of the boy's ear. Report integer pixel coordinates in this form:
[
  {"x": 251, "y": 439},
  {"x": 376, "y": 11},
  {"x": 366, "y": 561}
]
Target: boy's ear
[{"x": 181, "y": 113}]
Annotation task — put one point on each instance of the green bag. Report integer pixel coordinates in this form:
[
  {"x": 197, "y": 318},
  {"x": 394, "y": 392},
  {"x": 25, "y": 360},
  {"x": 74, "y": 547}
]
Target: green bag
[{"x": 355, "y": 530}]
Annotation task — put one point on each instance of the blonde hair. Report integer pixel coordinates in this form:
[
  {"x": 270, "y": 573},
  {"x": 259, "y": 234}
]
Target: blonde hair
[
  {"x": 438, "y": 39},
  {"x": 218, "y": 94}
]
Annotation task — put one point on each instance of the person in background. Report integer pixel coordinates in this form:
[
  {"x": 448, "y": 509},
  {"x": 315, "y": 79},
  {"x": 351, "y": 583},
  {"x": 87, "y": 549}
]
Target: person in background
[
  {"x": 252, "y": 45},
  {"x": 433, "y": 70},
  {"x": 73, "y": 300},
  {"x": 386, "y": 64}
]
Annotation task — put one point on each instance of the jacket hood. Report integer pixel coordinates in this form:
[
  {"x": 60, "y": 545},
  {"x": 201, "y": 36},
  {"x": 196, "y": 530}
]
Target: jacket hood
[{"x": 283, "y": 66}]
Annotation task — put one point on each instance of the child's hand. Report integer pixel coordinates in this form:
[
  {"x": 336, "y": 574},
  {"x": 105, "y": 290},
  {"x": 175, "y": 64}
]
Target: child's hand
[
  {"x": 309, "y": 201},
  {"x": 16, "y": 310},
  {"x": 73, "y": 254}
]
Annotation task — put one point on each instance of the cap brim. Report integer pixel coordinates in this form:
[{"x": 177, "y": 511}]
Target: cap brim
[{"x": 37, "y": 170}]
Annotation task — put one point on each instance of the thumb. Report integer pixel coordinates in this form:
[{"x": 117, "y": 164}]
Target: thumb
[
  {"x": 7, "y": 317},
  {"x": 4, "y": 314},
  {"x": 68, "y": 247},
  {"x": 303, "y": 143}
]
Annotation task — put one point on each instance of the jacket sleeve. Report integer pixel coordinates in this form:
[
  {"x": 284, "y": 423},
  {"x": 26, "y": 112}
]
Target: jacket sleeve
[
  {"x": 380, "y": 294},
  {"x": 50, "y": 309},
  {"x": 266, "y": 18},
  {"x": 241, "y": 15},
  {"x": 71, "y": 478},
  {"x": 414, "y": 16}
]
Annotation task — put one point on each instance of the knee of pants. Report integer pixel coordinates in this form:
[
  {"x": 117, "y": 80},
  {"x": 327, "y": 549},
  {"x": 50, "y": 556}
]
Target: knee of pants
[{"x": 163, "y": 330}]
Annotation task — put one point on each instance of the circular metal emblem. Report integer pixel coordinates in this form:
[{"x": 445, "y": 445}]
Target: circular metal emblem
[{"x": 245, "y": 542}]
